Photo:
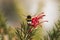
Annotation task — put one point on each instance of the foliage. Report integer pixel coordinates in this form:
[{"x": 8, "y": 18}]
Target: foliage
[
  {"x": 55, "y": 33},
  {"x": 25, "y": 32},
  {"x": 3, "y": 25}
]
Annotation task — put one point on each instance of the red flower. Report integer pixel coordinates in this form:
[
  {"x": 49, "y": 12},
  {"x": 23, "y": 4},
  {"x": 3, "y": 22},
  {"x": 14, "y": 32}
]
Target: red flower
[{"x": 35, "y": 20}]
